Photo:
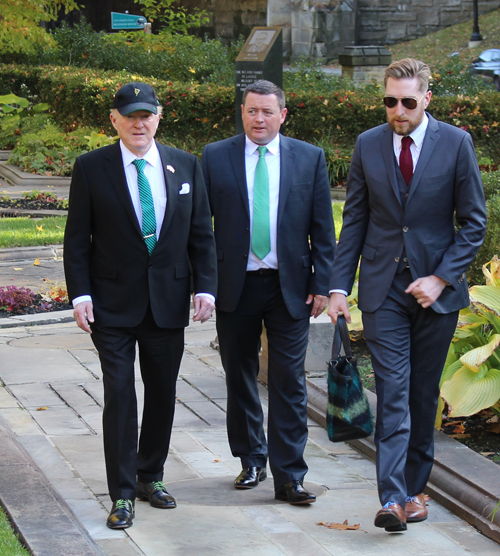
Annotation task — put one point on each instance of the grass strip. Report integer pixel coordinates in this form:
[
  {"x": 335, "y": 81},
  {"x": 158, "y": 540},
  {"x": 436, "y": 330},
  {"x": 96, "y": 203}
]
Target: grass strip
[
  {"x": 9, "y": 543},
  {"x": 27, "y": 232}
]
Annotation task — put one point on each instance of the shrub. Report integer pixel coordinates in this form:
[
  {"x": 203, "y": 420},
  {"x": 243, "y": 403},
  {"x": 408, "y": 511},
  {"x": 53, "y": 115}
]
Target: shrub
[
  {"x": 491, "y": 245},
  {"x": 49, "y": 151},
  {"x": 14, "y": 299}
]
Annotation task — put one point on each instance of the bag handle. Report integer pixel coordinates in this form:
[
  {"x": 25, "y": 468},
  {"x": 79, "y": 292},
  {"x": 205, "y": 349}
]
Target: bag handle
[{"x": 341, "y": 338}]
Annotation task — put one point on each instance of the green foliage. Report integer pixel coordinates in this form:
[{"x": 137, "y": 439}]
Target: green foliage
[
  {"x": 471, "y": 376},
  {"x": 97, "y": 140},
  {"x": 20, "y": 23},
  {"x": 177, "y": 20},
  {"x": 455, "y": 77},
  {"x": 491, "y": 244},
  {"x": 338, "y": 161},
  {"x": 49, "y": 151},
  {"x": 9, "y": 542},
  {"x": 14, "y": 111},
  {"x": 176, "y": 57}
]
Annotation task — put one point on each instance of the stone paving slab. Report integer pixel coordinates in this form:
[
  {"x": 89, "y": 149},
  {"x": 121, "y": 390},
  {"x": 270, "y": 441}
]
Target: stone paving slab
[{"x": 212, "y": 517}]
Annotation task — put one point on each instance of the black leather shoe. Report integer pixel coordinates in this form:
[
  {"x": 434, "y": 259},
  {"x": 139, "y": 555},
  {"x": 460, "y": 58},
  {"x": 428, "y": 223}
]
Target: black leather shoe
[
  {"x": 250, "y": 477},
  {"x": 121, "y": 515},
  {"x": 294, "y": 493},
  {"x": 156, "y": 494}
]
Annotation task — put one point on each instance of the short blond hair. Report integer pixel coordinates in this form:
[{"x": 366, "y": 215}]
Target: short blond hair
[{"x": 408, "y": 68}]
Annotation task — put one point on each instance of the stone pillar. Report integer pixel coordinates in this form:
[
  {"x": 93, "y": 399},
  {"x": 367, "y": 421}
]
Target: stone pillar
[
  {"x": 279, "y": 13},
  {"x": 364, "y": 63},
  {"x": 322, "y": 29}
]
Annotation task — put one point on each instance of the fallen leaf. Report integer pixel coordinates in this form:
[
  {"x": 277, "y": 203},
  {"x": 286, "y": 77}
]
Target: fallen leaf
[
  {"x": 18, "y": 268},
  {"x": 487, "y": 453},
  {"x": 216, "y": 461},
  {"x": 459, "y": 435},
  {"x": 495, "y": 429},
  {"x": 340, "y": 526},
  {"x": 459, "y": 429},
  {"x": 39, "y": 228},
  {"x": 41, "y": 408},
  {"x": 494, "y": 419},
  {"x": 37, "y": 262}
]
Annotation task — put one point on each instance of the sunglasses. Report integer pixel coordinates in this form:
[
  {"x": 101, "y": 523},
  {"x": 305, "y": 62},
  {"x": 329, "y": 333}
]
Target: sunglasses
[{"x": 408, "y": 102}]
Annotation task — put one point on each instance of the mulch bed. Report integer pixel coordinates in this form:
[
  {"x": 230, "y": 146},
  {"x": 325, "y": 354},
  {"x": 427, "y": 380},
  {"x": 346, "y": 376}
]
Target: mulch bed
[{"x": 40, "y": 306}]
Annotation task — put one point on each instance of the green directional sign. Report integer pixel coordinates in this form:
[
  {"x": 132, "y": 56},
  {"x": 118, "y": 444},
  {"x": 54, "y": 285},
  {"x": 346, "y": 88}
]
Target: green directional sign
[{"x": 127, "y": 21}]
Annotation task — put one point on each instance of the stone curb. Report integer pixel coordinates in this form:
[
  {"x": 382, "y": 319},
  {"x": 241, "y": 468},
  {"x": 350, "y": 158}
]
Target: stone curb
[
  {"x": 461, "y": 480},
  {"x": 14, "y": 176},
  {"x": 45, "y": 523},
  {"x": 32, "y": 213},
  {"x": 54, "y": 317},
  {"x": 35, "y": 252}
]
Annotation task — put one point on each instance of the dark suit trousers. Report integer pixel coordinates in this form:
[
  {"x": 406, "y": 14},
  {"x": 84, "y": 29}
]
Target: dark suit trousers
[
  {"x": 160, "y": 354},
  {"x": 409, "y": 345},
  {"x": 239, "y": 334}
]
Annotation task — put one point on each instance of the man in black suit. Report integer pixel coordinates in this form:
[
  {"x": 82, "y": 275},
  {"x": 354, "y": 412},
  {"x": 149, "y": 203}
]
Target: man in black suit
[
  {"x": 410, "y": 181},
  {"x": 138, "y": 222},
  {"x": 270, "y": 199}
]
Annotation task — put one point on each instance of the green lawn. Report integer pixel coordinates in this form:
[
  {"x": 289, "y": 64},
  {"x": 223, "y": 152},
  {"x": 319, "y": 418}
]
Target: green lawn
[
  {"x": 338, "y": 210},
  {"x": 9, "y": 544},
  {"x": 26, "y": 232}
]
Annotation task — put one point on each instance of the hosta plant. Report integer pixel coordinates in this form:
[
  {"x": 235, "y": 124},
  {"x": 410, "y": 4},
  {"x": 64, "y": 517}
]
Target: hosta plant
[{"x": 471, "y": 376}]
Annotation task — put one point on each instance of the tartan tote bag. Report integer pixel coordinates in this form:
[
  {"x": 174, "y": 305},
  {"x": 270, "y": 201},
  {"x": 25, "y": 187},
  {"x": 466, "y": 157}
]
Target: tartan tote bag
[{"x": 348, "y": 414}]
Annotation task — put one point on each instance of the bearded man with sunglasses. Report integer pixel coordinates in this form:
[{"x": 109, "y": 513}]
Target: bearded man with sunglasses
[{"x": 410, "y": 182}]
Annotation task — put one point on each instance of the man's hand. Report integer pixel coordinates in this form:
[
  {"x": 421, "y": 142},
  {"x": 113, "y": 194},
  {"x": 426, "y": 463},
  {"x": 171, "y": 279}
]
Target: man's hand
[
  {"x": 203, "y": 308},
  {"x": 84, "y": 314},
  {"x": 318, "y": 305},
  {"x": 426, "y": 289},
  {"x": 338, "y": 304}
]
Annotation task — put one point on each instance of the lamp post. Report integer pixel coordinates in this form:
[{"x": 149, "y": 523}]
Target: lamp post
[{"x": 476, "y": 38}]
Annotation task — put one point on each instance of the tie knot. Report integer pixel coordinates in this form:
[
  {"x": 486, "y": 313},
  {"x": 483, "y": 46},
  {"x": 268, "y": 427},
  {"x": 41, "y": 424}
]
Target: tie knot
[
  {"x": 140, "y": 164},
  {"x": 406, "y": 142},
  {"x": 262, "y": 151}
]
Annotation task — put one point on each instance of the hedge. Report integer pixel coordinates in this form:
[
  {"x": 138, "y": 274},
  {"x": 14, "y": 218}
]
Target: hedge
[{"x": 205, "y": 113}]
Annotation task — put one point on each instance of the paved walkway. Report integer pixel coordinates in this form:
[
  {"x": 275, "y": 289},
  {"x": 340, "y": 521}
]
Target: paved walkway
[{"x": 52, "y": 478}]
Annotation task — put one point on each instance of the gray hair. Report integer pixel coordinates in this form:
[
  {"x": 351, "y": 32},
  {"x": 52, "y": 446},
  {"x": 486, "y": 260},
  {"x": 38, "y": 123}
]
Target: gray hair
[{"x": 263, "y": 87}]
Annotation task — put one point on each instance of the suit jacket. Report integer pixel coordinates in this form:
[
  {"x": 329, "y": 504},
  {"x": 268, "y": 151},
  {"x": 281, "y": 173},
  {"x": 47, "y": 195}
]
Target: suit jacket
[
  {"x": 446, "y": 185},
  {"x": 104, "y": 252},
  {"x": 305, "y": 234}
]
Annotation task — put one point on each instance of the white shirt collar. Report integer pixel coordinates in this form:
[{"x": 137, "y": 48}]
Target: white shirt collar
[
  {"x": 273, "y": 146},
  {"x": 151, "y": 157},
  {"x": 417, "y": 135}
]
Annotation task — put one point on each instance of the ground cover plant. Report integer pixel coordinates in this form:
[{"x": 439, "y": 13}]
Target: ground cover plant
[{"x": 9, "y": 542}]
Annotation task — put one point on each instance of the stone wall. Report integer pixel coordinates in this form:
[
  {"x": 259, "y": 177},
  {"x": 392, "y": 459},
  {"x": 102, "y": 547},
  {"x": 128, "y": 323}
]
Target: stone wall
[{"x": 392, "y": 21}]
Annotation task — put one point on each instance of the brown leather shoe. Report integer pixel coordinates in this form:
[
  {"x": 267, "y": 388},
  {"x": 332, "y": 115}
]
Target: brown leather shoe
[
  {"x": 391, "y": 517},
  {"x": 415, "y": 508}
]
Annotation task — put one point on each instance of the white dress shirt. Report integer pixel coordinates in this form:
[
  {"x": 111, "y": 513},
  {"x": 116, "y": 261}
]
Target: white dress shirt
[{"x": 273, "y": 167}]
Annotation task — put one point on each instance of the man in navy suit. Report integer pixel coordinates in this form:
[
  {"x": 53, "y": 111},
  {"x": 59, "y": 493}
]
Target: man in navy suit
[
  {"x": 138, "y": 225},
  {"x": 270, "y": 199},
  {"x": 410, "y": 182}
]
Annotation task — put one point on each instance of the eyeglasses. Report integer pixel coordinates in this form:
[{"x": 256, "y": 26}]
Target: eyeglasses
[{"x": 408, "y": 102}]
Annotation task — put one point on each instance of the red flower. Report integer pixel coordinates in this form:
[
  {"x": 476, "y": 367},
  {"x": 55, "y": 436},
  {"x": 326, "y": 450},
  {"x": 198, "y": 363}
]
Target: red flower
[{"x": 301, "y": 105}]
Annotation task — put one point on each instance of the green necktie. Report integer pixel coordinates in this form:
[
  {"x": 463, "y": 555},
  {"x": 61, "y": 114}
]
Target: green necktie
[
  {"x": 148, "y": 209},
  {"x": 261, "y": 233}
]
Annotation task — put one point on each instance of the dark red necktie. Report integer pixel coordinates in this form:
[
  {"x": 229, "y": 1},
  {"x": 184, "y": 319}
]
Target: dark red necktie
[{"x": 405, "y": 159}]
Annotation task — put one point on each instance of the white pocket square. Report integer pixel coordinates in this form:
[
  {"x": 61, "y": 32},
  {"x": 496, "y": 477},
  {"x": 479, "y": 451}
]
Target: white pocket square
[{"x": 184, "y": 189}]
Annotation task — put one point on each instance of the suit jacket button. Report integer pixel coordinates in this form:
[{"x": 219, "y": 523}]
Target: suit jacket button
[
  {"x": 396, "y": 259},
  {"x": 405, "y": 229}
]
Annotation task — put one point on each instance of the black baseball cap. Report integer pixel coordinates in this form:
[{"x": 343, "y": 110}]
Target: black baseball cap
[{"x": 135, "y": 96}]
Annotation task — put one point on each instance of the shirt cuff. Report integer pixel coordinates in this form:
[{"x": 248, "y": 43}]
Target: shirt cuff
[
  {"x": 209, "y": 295},
  {"x": 338, "y": 291},
  {"x": 81, "y": 299}
]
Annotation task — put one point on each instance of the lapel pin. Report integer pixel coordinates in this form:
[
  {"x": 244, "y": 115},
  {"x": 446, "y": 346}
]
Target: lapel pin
[{"x": 170, "y": 168}]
